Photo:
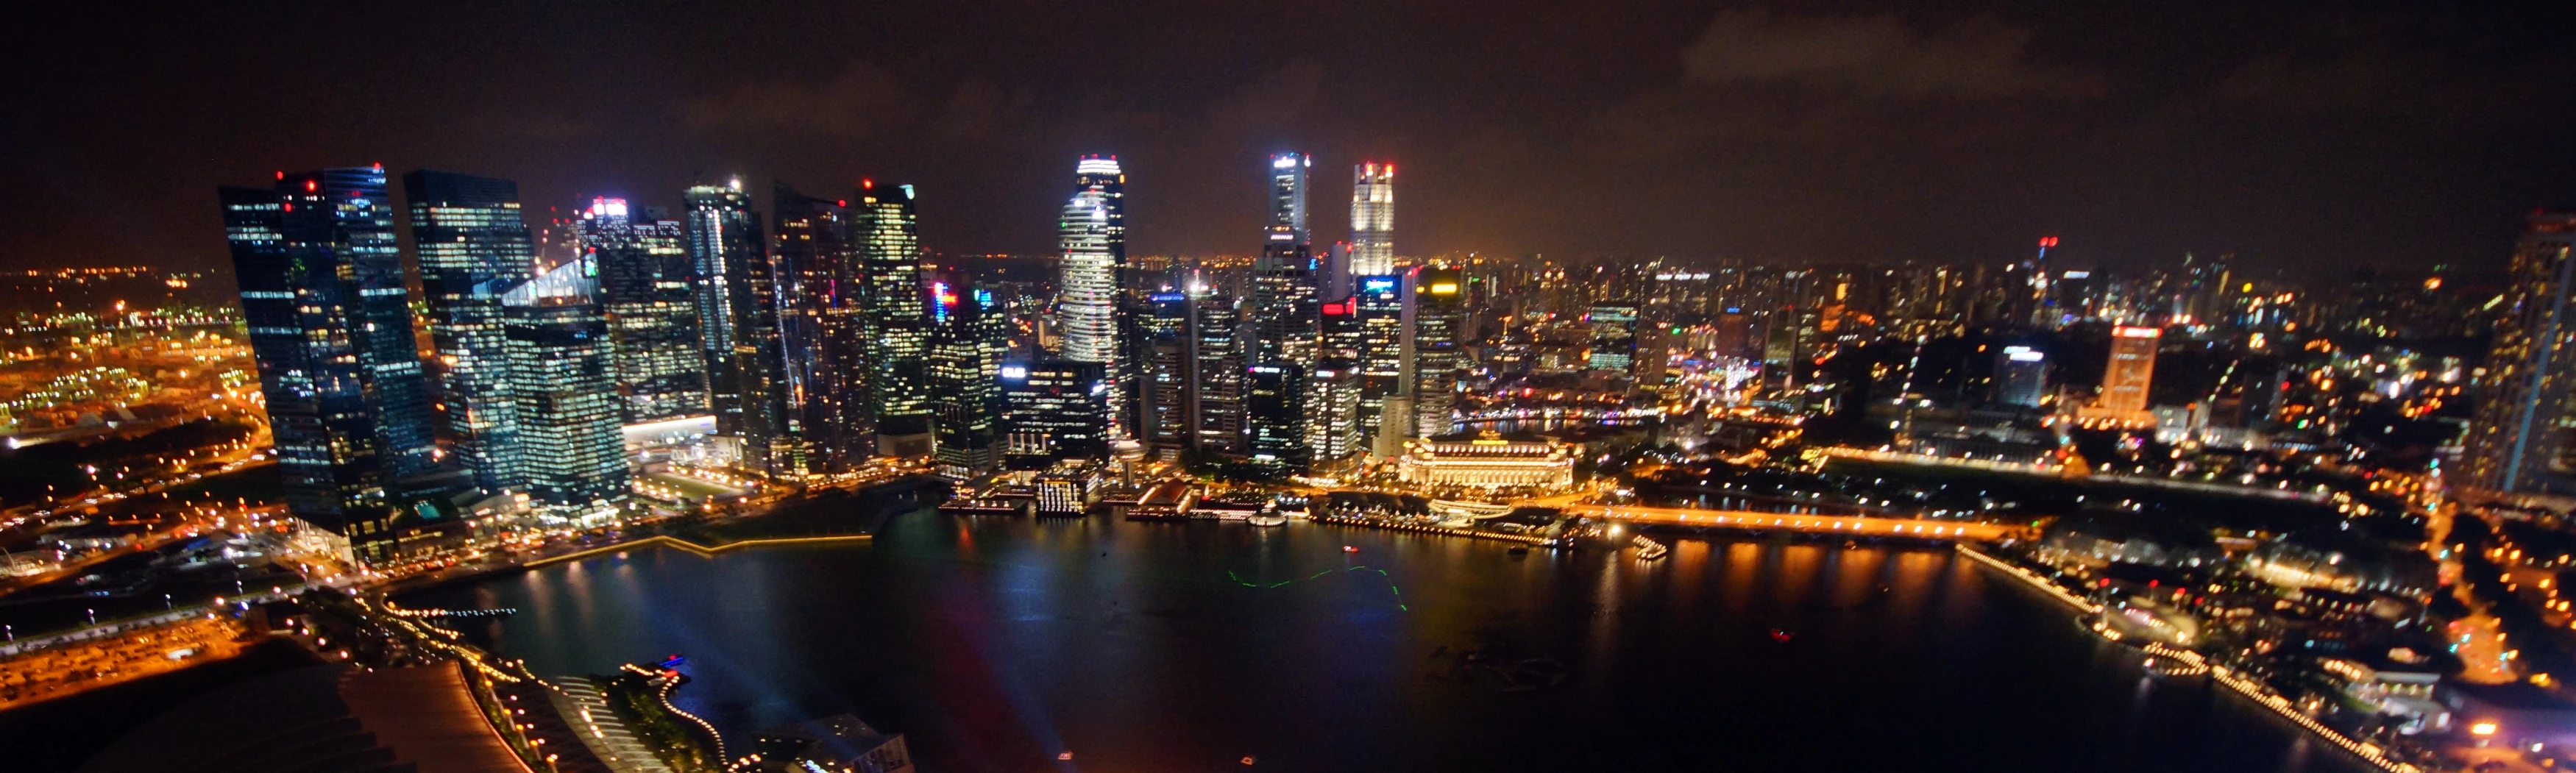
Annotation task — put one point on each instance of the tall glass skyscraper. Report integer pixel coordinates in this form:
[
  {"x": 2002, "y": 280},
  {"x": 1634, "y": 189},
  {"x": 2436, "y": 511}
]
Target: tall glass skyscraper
[
  {"x": 891, "y": 302},
  {"x": 970, "y": 333},
  {"x": 564, "y": 385},
  {"x": 1379, "y": 306},
  {"x": 1284, "y": 297},
  {"x": 323, "y": 294},
  {"x": 1054, "y": 409},
  {"x": 1373, "y": 219},
  {"x": 724, "y": 243},
  {"x": 1093, "y": 237},
  {"x": 1216, "y": 370},
  {"x": 2521, "y": 429},
  {"x": 648, "y": 286},
  {"x": 473, "y": 246},
  {"x": 820, "y": 329},
  {"x": 1439, "y": 317}
]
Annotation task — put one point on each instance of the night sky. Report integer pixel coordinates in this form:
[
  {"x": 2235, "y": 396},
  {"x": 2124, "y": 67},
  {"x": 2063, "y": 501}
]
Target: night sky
[{"x": 2304, "y": 137}]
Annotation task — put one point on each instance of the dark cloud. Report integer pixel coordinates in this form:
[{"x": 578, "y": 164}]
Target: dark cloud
[
  {"x": 1881, "y": 55},
  {"x": 861, "y": 99}
]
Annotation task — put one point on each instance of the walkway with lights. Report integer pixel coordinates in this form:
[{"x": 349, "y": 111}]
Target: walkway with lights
[{"x": 1848, "y": 525}]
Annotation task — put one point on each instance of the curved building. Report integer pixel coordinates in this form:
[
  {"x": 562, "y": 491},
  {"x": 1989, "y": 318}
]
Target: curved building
[{"x": 1093, "y": 236}]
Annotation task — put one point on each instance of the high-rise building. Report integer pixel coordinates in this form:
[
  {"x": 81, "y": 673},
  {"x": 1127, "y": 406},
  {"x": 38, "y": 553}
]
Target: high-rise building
[
  {"x": 1439, "y": 316},
  {"x": 1274, "y": 409},
  {"x": 1054, "y": 409},
  {"x": 2521, "y": 429},
  {"x": 323, "y": 294},
  {"x": 1284, "y": 300},
  {"x": 647, "y": 284},
  {"x": 820, "y": 330},
  {"x": 1333, "y": 405},
  {"x": 2021, "y": 376},
  {"x": 472, "y": 246},
  {"x": 1163, "y": 393},
  {"x": 2132, "y": 369},
  {"x": 1379, "y": 309},
  {"x": 1373, "y": 219},
  {"x": 1216, "y": 370},
  {"x": 1092, "y": 235},
  {"x": 891, "y": 302},
  {"x": 970, "y": 334},
  {"x": 563, "y": 382},
  {"x": 723, "y": 235}
]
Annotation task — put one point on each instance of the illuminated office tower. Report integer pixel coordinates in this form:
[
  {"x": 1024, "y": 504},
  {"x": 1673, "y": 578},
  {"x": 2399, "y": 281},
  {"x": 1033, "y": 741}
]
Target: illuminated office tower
[
  {"x": 1373, "y": 219},
  {"x": 2021, "y": 376},
  {"x": 1162, "y": 405},
  {"x": 1439, "y": 314},
  {"x": 970, "y": 333},
  {"x": 1216, "y": 370},
  {"x": 1614, "y": 337},
  {"x": 1379, "y": 309},
  {"x": 323, "y": 296},
  {"x": 1093, "y": 237},
  {"x": 1333, "y": 404},
  {"x": 645, "y": 282},
  {"x": 891, "y": 303},
  {"x": 725, "y": 233},
  {"x": 723, "y": 242},
  {"x": 1284, "y": 300},
  {"x": 816, "y": 262},
  {"x": 564, "y": 384},
  {"x": 473, "y": 246},
  {"x": 2132, "y": 369},
  {"x": 1052, "y": 410},
  {"x": 2520, "y": 430},
  {"x": 1653, "y": 362},
  {"x": 1274, "y": 412}
]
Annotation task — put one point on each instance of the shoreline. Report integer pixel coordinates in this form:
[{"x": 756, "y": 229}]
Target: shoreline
[{"x": 2249, "y": 689}]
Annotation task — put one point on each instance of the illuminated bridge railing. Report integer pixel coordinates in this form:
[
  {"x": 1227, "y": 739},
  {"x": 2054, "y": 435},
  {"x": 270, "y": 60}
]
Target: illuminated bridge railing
[{"x": 1854, "y": 525}]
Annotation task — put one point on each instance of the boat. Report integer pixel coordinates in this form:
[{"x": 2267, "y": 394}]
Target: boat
[
  {"x": 1649, "y": 550},
  {"x": 1268, "y": 520},
  {"x": 2159, "y": 668}
]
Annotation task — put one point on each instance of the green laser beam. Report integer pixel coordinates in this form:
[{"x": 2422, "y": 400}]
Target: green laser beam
[{"x": 1391, "y": 590}]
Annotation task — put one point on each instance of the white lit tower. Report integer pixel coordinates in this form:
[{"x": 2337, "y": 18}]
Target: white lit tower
[
  {"x": 1093, "y": 235},
  {"x": 1373, "y": 219}
]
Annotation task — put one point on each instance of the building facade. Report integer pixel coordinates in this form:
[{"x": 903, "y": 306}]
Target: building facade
[
  {"x": 1092, "y": 237},
  {"x": 472, "y": 244},
  {"x": 648, "y": 285},
  {"x": 1373, "y": 219},
  {"x": 563, "y": 380},
  {"x": 1054, "y": 410},
  {"x": 1488, "y": 461},
  {"x": 2520, "y": 433}
]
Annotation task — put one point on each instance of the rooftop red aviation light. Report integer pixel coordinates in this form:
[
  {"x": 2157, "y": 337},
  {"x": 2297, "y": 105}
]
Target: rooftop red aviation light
[{"x": 2048, "y": 241}]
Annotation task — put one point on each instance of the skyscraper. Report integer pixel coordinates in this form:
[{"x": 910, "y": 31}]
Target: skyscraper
[
  {"x": 1284, "y": 297},
  {"x": 1614, "y": 337},
  {"x": 2520, "y": 431},
  {"x": 820, "y": 331},
  {"x": 1373, "y": 219},
  {"x": 564, "y": 385},
  {"x": 1274, "y": 411},
  {"x": 473, "y": 247},
  {"x": 1163, "y": 391},
  {"x": 1054, "y": 409},
  {"x": 1333, "y": 406},
  {"x": 897, "y": 332},
  {"x": 1093, "y": 237},
  {"x": 1216, "y": 367},
  {"x": 2131, "y": 371},
  {"x": 323, "y": 295},
  {"x": 970, "y": 333},
  {"x": 1439, "y": 316},
  {"x": 647, "y": 285},
  {"x": 1379, "y": 306},
  {"x": 724, "y": 244}
]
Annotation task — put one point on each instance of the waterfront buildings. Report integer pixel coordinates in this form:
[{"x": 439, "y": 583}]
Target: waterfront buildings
[
  {"x": 1372, "y": 220},
  {"x": 472, "y": 246},
  {"x": 821, "y": 335},
  {"x": 1332, "y": 404},
  {"x": 1164, "y": 386},
  {"x": 323, "y": 295},
  {"x": 2520, "y": 431},
  {"x": 647, "y": 283},
  {"x": 1378, "y": 307},
  {"x": 563, "y": 383},
  {"x": 1092, "y": 235},
  {"x": 1614, "y": 337},
  {"x": 970, "y": 334},
  {"x": 1216, "y": 377},
  {"x": 1439, "y": 317},
  {"x": 725, "y": 239},
  {"x": 1275, "y": 415},
  {"x": 722, "y": 234},
  {"x": 1284, "y": 298},
  {"x": 1487, "y": 461},
  {"x": 1054, "y": 409},
  {"x": 895, "y": 328}
]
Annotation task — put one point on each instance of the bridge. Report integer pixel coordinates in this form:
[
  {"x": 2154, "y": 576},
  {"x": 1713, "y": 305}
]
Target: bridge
[{"x": 1848, "y": 525}]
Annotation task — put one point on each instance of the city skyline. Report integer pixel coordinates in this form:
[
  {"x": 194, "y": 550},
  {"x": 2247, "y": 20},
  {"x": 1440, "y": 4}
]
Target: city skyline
[{"x": 2077, "y": 136}]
